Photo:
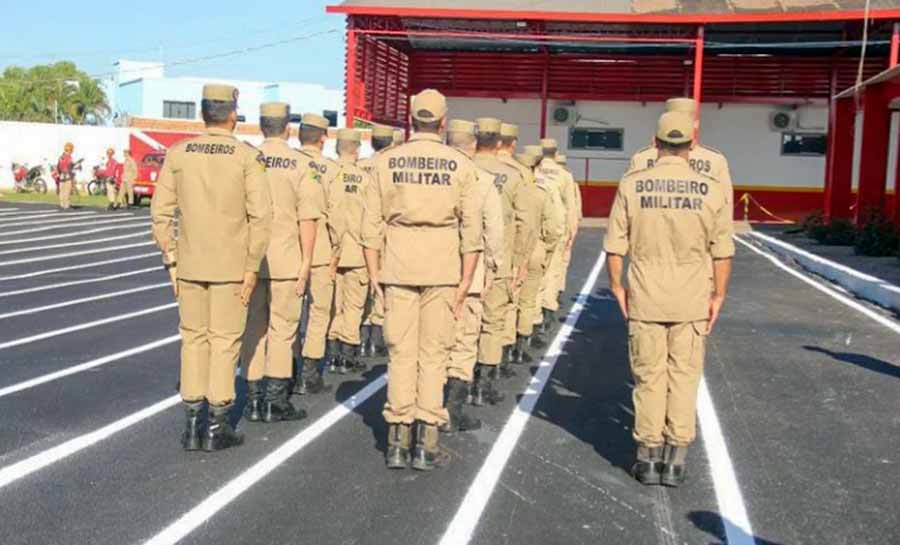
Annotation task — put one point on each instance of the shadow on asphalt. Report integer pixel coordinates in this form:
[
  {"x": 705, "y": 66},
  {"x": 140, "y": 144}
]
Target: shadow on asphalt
[
  {"x": 370, "y": 411},
  {"x": 860, "y": 360},
  {"x": 714, "y": 524}
]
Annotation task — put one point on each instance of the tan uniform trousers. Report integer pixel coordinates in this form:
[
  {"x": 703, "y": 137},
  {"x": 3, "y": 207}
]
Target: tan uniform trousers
[
  {"x": 528, "y": 295},
  {"x": 111, "y": 194},
  {"x": 550, "y": 252},
  {"x": 667, "y": 363},
  {"x": 374, "y": 312},
  {"x": 419, "y": 332},
  {"x": 65, "y": 194},
  {"x": 497, "y": 302},
  {"x": 552, "y": 277},
  {"x": 566, "y": 259},
  {"x": 126, "y": 193},
  {"x": 212, "y": 323},
  {"x": 464, "y": 353},
  {"x": 272, "y": 321},
  {"x": 321, "y": 293},
  {"x": 351, "y": 290}
]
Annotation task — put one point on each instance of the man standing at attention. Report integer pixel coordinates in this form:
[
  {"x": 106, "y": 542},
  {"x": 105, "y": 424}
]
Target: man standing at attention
[{"x": 671, "y": 221}]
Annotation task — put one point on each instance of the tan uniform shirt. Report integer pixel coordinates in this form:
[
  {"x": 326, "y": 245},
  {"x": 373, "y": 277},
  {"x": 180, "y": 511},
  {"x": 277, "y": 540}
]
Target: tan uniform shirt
[
  {"x": 550, "y": 174},
  {"x": 129, "y": 171},
  {"x": 295, "y": 198},
  {"x": 423, "y": 209},
  {"x": 533, "y": 204},
  {"x": 492, "y": 222},
  {"x": 323, "y": 171},
  {"x": 669, "y": 220},
  {"x": 351, "y": 182},
  {"x": 217, "y": 184},
  {"x": 704, "y": 160}
]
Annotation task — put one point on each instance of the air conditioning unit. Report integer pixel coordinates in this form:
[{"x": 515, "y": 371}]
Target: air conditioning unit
[
  {"x": 781, "y": 120},
  {"x": 564, "y": 115}
]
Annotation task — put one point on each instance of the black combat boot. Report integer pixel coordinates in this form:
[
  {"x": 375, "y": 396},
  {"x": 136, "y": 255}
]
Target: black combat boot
[
  {"x": 457, "y": 393},
  {"x": 312, "y": 378},
  {"x": 278, "y": 406},
  {"x": 506, "y": 370},
  {"x": 334, "y": 360},
  {"x": 648, "y": 466},
  {"x": 191, "y": 439},
  {"x": 255, "y": 394},
  {"x": 673, "y": 472},
  {"x": 485, "y": 390},
  {"x": 520, "y": 353},
  {"x": 365, "y": 334},
  {"x": 220, "y": 435},
  {"x": 379, "y": 349},
  {"x": 298, "y": 385},
  {"x": 427, "y": 453},
  {"x": 352, "y": 361},
  {"x": 399, "y": 438}
]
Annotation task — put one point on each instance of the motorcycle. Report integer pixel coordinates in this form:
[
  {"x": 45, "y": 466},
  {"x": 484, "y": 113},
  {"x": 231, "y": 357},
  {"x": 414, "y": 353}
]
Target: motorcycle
[
  {"x": 28, "y": 179},
  {"x": 97, "y": 185}
]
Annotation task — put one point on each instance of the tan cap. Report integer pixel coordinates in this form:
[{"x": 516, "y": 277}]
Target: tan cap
[
  {"x": 509, "y": 130},
  {"x": 348, "y": 135},
  {"x": 461, "y": 125},
  {"x": 274, "y": 109},
  {"x": 549, "y": 143},
  {"x": 537, "y": 151},
  {"x": 561, "y": 158},
  {"x": 429, "y": 106},
  {"x": 224, "y": 93},
  {"x": 489, "y": 124},
  {"x": 399, "y": 136},
  {"x": 382, "y": 131},
  {"x": 527, "y": 159},
  {"x": 681, "y": 104},
  {"x": 314, "y": 120},
  {"x": 675, "y": 128}
]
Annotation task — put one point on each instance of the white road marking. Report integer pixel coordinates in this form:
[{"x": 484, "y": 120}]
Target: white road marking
[
  {"x": 68, "y": 218},
  {"x": 86, "y": 325},
  {"x": 70, "y": 244},
  {"x": 141, "y": 223},
  {"x": 206, "y": 509},
  {"x": 4, "y": 209},
  {"x": 76, "y": 267},
  {"x": 6, "y": 221},
  {"x": 15, "y": 212},
  {"x": 883, "y": 320},
  {"x": 50, "y": 377},
  {"x": 80, "y": 282},
  {"x": 63, "y": 226},
  {"x": 75, "y": 254},
  {"x": 35, "y": 310},
  {"x": 14, "y": 472},
  {"x": 463, "y": 525}
]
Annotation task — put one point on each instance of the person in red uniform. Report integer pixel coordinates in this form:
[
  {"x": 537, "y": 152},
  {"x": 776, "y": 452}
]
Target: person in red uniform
[
  {"x": 65, "y": 169},
  {"x": 109, "y": 172}
]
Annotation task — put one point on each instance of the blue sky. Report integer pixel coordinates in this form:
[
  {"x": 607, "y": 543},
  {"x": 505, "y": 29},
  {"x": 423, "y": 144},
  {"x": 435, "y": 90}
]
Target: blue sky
[{"x": 95, "y": 33}]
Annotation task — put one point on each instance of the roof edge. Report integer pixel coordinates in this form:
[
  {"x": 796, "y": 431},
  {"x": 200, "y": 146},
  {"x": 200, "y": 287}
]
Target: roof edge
[{"x": 709, "y": 18}]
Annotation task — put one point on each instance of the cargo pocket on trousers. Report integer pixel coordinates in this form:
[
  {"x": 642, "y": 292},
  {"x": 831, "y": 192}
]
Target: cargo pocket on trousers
[
  {"x": 633, "y": 339},
  {"x": 701, "y": 331}
]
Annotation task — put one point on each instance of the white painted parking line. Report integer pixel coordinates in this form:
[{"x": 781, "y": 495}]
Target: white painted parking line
[
  {"x": 71, "y": 302},
  {"x": 883, "y": 320},
  {"x": 68, "y": 218},
  {"x": 206, "y": 509},
  {"x": 70, "y": 244},
  {"x": 64, "y": 226},
  {"x": 463, "y": 525},
  {"x": 80, "y": 282},
  {"x": 7, "y": 212},
  {"x": 4, "y": 209},
  {"x": 86, "y": 325},
  {"x": 75, "y": 254},
  {"x": 50, "y": 377},
  {"x": 76, "y": 267},
  {"x": 139, "y": 223},
  {"x": 7, "y": 221},
  {"x": 14, "y": 472}
]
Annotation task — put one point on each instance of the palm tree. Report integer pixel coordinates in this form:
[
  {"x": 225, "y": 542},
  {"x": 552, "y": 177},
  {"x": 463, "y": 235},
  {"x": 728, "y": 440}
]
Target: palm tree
[{"x": 86, "y": 102}]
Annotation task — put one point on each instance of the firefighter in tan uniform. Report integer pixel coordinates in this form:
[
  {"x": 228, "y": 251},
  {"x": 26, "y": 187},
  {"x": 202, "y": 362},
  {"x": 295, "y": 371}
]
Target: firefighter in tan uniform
[
  {"x": 217, "y": 185},
  {"x": 423, "y": 212},
  {"x": 463, "y": 355},
  {"x": 549, "y": 174},
  {"x": 576, "y": 215},
  {"x": 274, "y": 313},
  {"x": 322, "y": 170},
  {"x": 372, "y": 334},
  {"x": 129, "y": 175},
  {"x": 670, "y": 221},
  {"x": 352, "y": 283},
  {"x": 65, "y": 168}
]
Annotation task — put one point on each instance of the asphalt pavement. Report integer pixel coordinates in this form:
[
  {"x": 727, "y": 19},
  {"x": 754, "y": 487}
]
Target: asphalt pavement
[{"x": 798, "y": 437}]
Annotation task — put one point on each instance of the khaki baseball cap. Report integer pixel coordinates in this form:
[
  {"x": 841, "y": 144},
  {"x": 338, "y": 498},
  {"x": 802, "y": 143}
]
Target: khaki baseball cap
[
  {"x": 274, "y": 109},
  {"x": 675, "y": 128},
  {"x": 549, "y": 143},
  {"x": 429, "y": 106},
  {"x": 509, "y": 130},
  {"x": 461, "y": 125},
  {"x": 537, "y": 151},
  {"x": 223, "y": 93},
  {"x": 314, "y": 120},
  {"x": 489, "y": 124},
  {"x": 348, "y": 135},
  {"x": 382, "y": 131},
  {"x": 681, "y": 104},
  {"x": 527, "y": 159}
]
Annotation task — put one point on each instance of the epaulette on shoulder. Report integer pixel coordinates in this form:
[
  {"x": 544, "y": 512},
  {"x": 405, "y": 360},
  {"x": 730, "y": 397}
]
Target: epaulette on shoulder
[
  {"x": 636, "y": 171},
  {"x": 645, "y": 148},
  {"x": 712, "y": 149}
]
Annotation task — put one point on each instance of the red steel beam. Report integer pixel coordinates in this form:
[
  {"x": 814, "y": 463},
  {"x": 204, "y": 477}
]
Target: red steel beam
[
  {"x": 351, "y": 83},
  {"x": 698, "y": 77},
  {"x": 526, "y": 37},
  {"x": 874, "y": 151},
  {"x": 545, "y": 86},
  {"x": 895, "y": 45}
]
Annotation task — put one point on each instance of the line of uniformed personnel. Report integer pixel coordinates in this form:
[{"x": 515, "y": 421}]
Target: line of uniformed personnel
[{"x": 447, "y": 252}]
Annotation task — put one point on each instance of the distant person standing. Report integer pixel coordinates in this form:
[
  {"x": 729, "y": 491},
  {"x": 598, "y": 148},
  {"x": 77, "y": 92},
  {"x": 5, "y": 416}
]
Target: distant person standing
[
  {"x": 671, "y": 221},
  {"x": 109, "y": 178},
  {"x": 129, "y": 175},
  {"x": 65, "y": 169},
  {"x": 217, "y": 185}
]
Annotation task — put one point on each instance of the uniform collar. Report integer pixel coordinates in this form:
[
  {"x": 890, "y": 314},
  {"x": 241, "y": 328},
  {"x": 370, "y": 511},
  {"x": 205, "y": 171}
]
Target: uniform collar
[
  {"x": 548, "y": 160},
  {"x": 276, "y": 139},
  {"x": 346, "y": 161},
  {"x": 311, "y": 149},
  {"x": 486, "y": 154},
  {"x": 218, "y": 131},
  {"x": 671, "y": 160},
  {"x": 504, "y": 153},
  {"x": 431, "y": 137}
]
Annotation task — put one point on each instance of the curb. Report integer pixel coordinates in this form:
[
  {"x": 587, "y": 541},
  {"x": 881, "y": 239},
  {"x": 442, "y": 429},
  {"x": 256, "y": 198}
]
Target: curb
[{"x": 864, "y": 286}]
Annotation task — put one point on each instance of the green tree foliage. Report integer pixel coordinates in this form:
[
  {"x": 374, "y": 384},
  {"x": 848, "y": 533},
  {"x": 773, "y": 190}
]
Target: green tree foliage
[{"x": 51, "y": 93}]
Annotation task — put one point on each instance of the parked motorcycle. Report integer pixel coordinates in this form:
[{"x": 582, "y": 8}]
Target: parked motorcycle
[{"x": 28, "y": 179}]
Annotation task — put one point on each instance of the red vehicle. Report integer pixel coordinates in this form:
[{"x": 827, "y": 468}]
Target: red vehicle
[{"x": 148, "y": 171}]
